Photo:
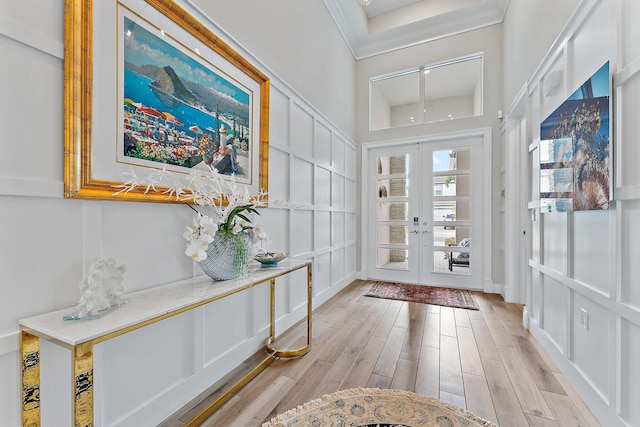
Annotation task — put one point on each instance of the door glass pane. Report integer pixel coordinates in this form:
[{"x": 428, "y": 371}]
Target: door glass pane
[
  {"x": 396, "y": 187},
  {"x": 457, "y": 159},
  {"x": 390, "y": 165},
  {"x": 393, "y": 234},
  {"x": 397, "y": 211},
  {"x": 393, "y": 258},
  {"x": 392, "y": 216},
  {"x": 451, "y": 210}
]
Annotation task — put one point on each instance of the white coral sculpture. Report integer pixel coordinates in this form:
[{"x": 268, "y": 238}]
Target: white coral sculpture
[{"x": 102, "y": 288}]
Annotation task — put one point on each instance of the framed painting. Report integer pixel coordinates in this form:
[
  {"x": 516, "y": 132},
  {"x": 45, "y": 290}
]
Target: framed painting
[
  {"x": 167, "y": 94},
  {"x": 576, "y": 166}
]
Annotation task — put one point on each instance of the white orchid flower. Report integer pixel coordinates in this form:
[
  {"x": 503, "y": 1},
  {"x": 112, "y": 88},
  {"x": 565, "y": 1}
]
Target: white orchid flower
[{"x": 196, "y": 252}]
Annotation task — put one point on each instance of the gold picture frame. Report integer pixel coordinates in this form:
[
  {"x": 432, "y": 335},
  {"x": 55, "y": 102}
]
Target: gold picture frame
[{"x": 91, "y": 166}]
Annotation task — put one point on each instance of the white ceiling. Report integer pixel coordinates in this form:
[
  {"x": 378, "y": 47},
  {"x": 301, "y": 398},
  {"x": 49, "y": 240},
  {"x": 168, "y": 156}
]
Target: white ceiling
[{"x": 386, "y": 25}]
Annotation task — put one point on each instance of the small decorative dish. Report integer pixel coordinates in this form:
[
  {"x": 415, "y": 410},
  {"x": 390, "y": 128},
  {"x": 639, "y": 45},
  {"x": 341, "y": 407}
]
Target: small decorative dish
[{"x": 270, "y": 259}]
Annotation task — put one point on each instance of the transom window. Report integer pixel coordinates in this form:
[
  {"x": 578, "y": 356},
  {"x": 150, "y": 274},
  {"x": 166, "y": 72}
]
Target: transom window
[{"x": 447, "y": 90}]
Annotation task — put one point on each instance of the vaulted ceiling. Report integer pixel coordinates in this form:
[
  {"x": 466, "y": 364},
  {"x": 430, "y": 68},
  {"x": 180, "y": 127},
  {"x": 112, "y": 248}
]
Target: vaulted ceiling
[{"x": 386, "y": 25}]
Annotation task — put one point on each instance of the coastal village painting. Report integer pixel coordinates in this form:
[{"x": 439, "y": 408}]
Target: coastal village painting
[
  {"x": 575, "y": 150},
  {"x": 179, "y": 111}
]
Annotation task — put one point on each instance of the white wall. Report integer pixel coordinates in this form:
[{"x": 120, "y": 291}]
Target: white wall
[
  {"x": 530, "y": 27},
  {"x": 48, "y": 242},
  {"x": 587, "y": 260},
  {"x": 487, "y": 40},
  {"x": 300, "y": 43}
]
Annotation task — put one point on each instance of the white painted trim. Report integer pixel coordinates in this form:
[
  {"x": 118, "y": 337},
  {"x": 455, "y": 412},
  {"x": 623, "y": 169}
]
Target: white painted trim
[
  {"x": 9, "y": 343},
  {"x": 526, "y": 319},
  {"x": 490, "y": 287},
  {"x": 28, "y": 37},
  {"x": 31, "y": 187}
]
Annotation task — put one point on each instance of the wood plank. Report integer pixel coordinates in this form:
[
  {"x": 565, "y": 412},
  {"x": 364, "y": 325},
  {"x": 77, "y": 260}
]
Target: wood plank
[
  {"x": 413, "y": 340},
  {"x": 431, "y": 335},
  {"x": 309, "y": 389},
  {"x": 543, "y": 354},
  {"x": 478, "y": 397},
  {"x": 404, "y": 317},
  {"x": 362, "y": 335},
  {"x": 469, "y": 354},
  {"x": 507, "y": 314},
  {"x": 462, "y": 317},
  {"x": 450, "y": 369},
  {"x": 404, "y": 377},
  {"x": 540, "y": 422},
  {"x": 447, "y": 322},
  {"x": 331, "y": 349},
  {"x": 508, "y": 409},
  {"x": 499, "y": 334},
  {"x": 453, "y": 399},
  {"x": 538, "y": 369},
  {"x": 379, "y": 381},
  {"x": 390, "y": 354},
  {"x": 564, "y": 411},
  {"x": 483, "y": 300},
  {"x": 486, "y": 346},
  {"x": 388, "y": 319},
  {"x": 362, "y": 368},
  {"x": 530, "y": 398},
  {"x": 343, "y": 364},
  {"x": 513, "y": 327},
  {"x": 428, "y": 374},
  {"x": 258, "y": 409},
  {"x": 577, "y": 401},
  {"x": 298, "y": 366},
  {"x": 232, "y": 409}
]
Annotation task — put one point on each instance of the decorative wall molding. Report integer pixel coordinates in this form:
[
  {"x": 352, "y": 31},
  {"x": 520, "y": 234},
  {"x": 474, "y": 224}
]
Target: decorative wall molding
[
  {"x": 31, "y": 187},
  {"x": 28, "y": 37},
  {"x": 9, "y": 343}
]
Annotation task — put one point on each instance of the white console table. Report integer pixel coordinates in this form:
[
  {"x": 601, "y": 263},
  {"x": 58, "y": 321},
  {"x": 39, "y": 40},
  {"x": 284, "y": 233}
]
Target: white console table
[{"x": 143, "y": 308}]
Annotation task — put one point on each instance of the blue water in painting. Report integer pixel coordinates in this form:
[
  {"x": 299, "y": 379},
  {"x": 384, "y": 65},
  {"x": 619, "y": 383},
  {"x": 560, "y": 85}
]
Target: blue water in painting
[{"x": 136, "y": 88}]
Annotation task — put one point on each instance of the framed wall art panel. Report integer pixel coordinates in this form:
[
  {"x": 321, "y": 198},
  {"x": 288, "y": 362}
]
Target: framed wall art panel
[
  {"x": 576, "y": 166},
  {"x": 147, "y": 86}
]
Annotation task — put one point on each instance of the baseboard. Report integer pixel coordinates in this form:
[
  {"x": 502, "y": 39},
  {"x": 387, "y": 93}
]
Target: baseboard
[
  {"x": 525, "y": 317},
  {"x": 490, "y": 287}
]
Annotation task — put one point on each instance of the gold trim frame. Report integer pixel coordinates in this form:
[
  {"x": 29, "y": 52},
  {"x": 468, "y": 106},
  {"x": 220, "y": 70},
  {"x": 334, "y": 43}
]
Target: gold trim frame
[{"x": 79, "y": 180}]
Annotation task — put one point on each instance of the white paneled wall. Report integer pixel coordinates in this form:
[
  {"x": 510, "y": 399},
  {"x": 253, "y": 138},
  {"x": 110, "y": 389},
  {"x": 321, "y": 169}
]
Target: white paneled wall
[
  {"x": 583, "y": 299},
  {"x": 321, "y": 164}
]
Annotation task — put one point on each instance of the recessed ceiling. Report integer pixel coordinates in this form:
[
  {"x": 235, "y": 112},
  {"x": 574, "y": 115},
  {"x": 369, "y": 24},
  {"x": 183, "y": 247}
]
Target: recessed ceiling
[{"x": 386, "y": 25}]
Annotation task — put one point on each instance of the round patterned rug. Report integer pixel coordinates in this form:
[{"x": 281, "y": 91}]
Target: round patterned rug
[{"x": 372, "y": 407}]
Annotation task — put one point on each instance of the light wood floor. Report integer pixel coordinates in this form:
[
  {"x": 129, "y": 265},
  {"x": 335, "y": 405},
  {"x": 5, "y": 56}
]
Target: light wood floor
[{"x": 483, "y": 361}]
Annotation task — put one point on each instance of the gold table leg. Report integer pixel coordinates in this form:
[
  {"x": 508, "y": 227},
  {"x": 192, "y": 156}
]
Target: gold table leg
[
  {"x": 30, "y": 353},
  {"x": 83, "y": 385},
  {"x": 272, "y": 326}
]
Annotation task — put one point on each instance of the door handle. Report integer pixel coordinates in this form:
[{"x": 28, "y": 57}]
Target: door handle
[{"x": 414, "y": 231}]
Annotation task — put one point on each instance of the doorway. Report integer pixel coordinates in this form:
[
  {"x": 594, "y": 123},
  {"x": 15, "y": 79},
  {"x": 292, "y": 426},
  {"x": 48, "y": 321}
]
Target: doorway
[{"x": 425, "y": 212}]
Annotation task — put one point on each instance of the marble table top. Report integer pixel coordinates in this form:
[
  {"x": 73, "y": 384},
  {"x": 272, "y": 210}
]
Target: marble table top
[{"x": 141, "y": 306}]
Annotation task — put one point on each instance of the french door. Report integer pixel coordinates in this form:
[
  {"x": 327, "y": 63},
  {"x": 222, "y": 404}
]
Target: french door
[{"x": 425, "y": 213}]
